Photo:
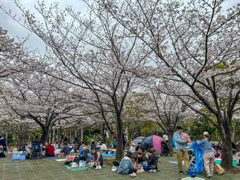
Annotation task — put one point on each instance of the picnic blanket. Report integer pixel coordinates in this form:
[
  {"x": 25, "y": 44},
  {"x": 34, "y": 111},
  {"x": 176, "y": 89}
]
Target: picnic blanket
[
  {"x": 60, "y": 160},
  {"x": 103, "y": 154},
  {"x": 19, "y": 158},
  {"x": 44, "y": 157},
  {"x": 80, "y": 168},
  {"x": 175, "y": 162}
]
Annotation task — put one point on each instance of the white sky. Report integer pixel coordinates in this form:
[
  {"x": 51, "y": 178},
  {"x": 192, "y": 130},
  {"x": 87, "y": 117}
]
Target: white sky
[{"x": 15, "y": 29}]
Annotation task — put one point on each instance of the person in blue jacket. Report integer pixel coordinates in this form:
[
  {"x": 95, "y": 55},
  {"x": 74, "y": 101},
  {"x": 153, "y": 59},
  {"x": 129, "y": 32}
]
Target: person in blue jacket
[
  {"x": 181, "y": 147},
  {"x": 126, "y": 166}
]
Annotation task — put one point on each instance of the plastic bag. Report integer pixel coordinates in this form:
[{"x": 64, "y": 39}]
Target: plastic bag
[
  {"x": 81, "y": 164},
  {"x": 198, "y": 152},
  {"x": 114, "y": 168}
]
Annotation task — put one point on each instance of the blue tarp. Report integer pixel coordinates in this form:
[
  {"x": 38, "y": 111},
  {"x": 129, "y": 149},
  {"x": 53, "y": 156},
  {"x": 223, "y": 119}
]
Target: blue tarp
[
  {"x": 198, "y": 151},
  {"x": 173, "y": 141}
]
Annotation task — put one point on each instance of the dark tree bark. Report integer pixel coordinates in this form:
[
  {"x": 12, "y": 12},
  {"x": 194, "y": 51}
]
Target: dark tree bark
[{"x": 119, "y": 139}]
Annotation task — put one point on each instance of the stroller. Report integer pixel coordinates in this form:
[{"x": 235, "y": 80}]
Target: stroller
[{"x": 164, "y": 149}]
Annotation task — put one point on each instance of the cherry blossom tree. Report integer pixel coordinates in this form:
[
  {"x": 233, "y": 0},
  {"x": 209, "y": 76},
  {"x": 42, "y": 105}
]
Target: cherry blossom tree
[
  {"x": 196, "y": 53},
  {"x": 14, "y": 57},
  {"x": 90, "y": 52},
  {"x": 36, "y": 97}
]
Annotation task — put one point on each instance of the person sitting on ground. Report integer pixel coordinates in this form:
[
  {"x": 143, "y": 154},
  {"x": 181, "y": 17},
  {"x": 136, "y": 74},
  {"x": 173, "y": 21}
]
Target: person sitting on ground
[
  {"x": 157, "y": 154},
  {"x": 97, "y": 158},
  {"x": 65, "y": 150},
  {"x": 139, "y": 158},
  {"x": 103, "y": 147},
  {"x": 36, "y": 140},
  {"x": 132, "y": 148},
  {"x": 55, "y": 145},
  {"x": 49, "y": 149},
  {"x": 81, "y": 148},
  {"x": 126, "y": 166},
  {"x": 84, "y": 154},
  {"x": 152, "y": 161},
  {"x": 139, "y": 145}
]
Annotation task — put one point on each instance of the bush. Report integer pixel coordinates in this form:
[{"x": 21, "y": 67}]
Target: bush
[{"x": 88, "y": 140}]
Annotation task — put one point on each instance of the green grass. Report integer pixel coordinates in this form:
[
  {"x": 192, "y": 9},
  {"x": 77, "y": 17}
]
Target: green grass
[{"x": 50, "y": 169}]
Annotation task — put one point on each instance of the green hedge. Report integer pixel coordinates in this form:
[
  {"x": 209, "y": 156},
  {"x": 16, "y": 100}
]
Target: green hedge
[{"x": 88, "y": 140}]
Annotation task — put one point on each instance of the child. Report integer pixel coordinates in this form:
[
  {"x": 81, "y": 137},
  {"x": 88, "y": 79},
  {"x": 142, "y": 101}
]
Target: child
[{"x": 186, "y": 137}]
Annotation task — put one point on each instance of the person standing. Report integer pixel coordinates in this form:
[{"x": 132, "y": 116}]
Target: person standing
[
  {"x": 124, "y": 140},
  {"x": 208, "y": 156},
  {"x": 181, "y": 148},
  {"x": 114, "y": 144},
  {"x": 165, "y": 137},
  {"x": 135, "y": 135}
]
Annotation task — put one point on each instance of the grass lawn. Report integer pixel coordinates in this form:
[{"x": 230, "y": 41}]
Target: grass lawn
[{"x": 49, "y": 169}]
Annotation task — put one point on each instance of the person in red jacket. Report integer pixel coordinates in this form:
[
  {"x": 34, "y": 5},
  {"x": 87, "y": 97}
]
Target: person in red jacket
[{"x": 49, "y": 149}]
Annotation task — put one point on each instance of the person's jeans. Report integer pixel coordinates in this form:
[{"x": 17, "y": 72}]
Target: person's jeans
[
  {"x": 114, "y": 146},
  {"x": 146, "y": 168},
  {"x": 167, "y": 143},
  {"x": 131, "y": 171},
  {"x": 142, "y": 164},
  {"x": 124, "y": 145}
]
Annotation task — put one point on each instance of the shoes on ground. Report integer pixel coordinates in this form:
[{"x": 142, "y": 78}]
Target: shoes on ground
[
  {"x": 181, "y": 172},
  {"x": 133, "y": 175}
]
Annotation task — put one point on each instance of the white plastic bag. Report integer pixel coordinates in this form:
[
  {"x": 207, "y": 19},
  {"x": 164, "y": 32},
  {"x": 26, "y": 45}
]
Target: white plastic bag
[
  {"x": 81, "y": 164},
  {"x": 114, "y": 168},
  {"x": 91, "y": 164}
]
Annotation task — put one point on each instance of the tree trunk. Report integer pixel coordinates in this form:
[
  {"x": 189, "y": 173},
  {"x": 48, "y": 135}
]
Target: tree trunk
[
  {"x": 44, "y": 135},
  {"x": 20, "y": 142},
  {"x": 119, "y": 138},
  {"x": 110, "y": 138},
  {"x": 58, "y": 137},
  {"x": 226, "y": 132},
  {"x": 233, "y": 138},
  {"x": 170, "y": 141},
  {"x": 102, "y": 132}
]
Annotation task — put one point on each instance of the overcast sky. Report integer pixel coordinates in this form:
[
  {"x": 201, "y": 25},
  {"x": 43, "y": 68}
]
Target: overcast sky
[{"x": 15, "y": 29}]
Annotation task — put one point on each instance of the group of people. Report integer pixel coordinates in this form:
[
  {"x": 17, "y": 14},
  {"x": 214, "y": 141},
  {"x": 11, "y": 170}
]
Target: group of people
[
  {"x": 147, "y": 161},
  {"x": 182, "y": 152},
  {"x": 50, "y": 149}
]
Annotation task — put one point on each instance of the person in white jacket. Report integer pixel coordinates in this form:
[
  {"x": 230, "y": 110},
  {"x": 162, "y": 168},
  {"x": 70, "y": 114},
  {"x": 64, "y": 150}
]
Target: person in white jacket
[{"x": 132, "y": 148}]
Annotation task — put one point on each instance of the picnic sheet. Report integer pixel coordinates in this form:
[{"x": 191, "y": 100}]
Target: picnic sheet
[
  {"x": 175, "y": 162},
  {"x": 80, "y": 168},
  {"x": 44, "y": 157},
  {"x": 19, "y": 158},
  {"x": 60, "y": 160},
  {"x": 103, "y": 154}
]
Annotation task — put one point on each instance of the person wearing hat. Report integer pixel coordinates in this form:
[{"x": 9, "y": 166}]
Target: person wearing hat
[
  {"x": 132, "y": 148},
  {"x": 84, "y": 154},
  {"x": 208, "y": 156},
  {"x": 126, "y": 166},
  {"x": 139, "y": 145}
]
